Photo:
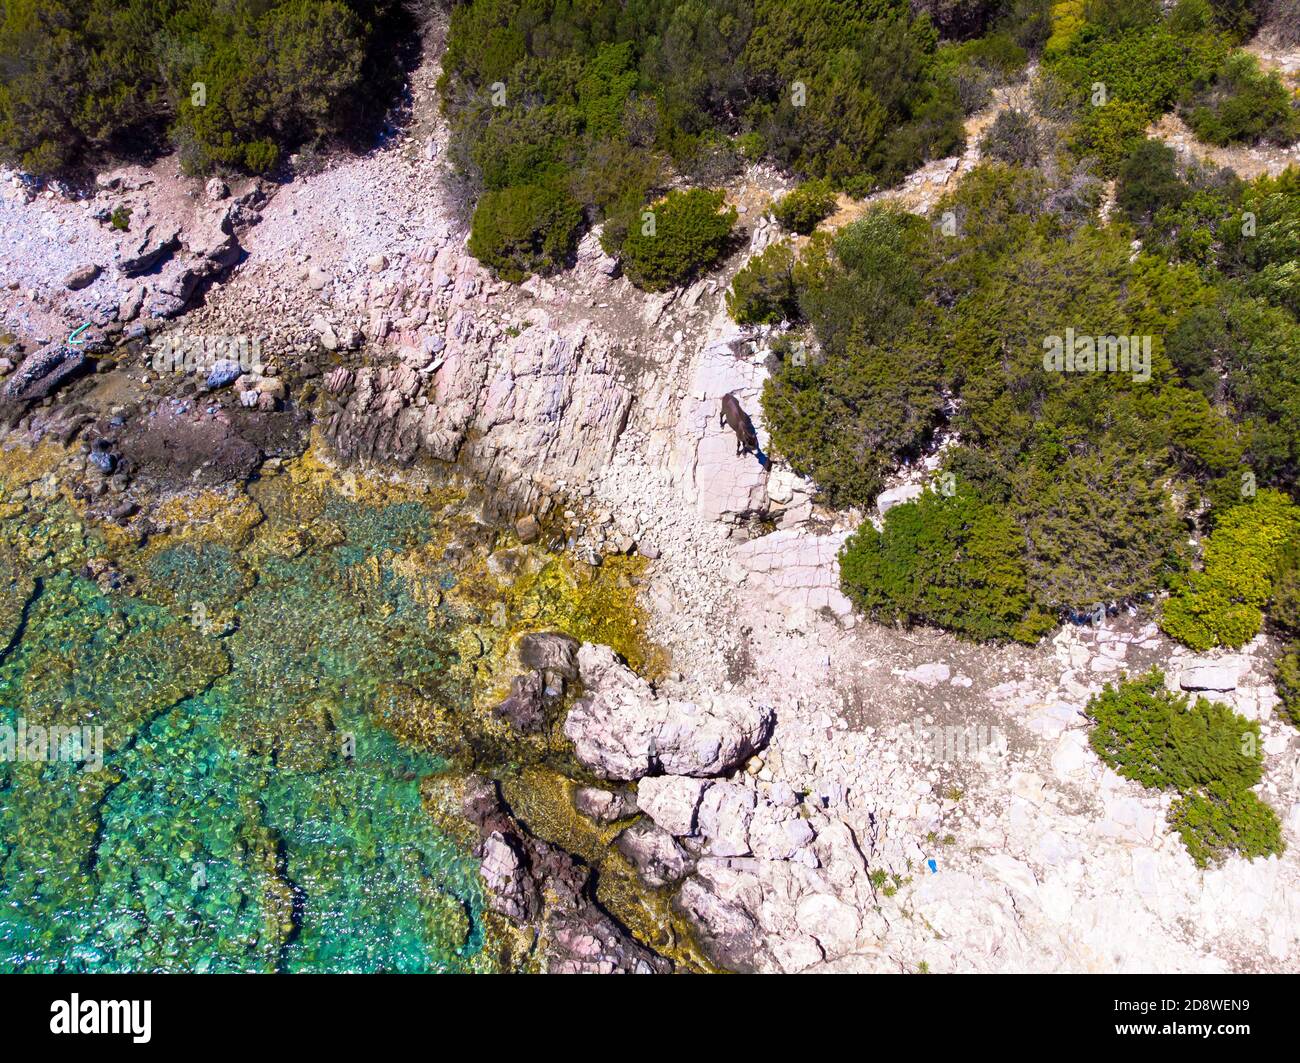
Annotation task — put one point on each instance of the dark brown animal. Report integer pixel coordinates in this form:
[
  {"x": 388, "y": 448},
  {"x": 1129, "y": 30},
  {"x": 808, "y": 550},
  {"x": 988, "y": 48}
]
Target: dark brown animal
[{"x": 746, "y": 437}]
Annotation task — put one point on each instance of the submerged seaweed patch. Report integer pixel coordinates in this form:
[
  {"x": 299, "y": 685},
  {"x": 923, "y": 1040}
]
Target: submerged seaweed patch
[{"x": 277, "y": 672}]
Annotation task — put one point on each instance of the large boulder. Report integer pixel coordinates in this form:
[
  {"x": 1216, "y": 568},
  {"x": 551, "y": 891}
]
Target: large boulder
[
  {"x": 725, "y": 928},
  {"x": 525, "y": 707},
  {"x": 1220, "y": 676},
  {"x": 81, "y": 277},
  {"x": 725, "y": 815},
  {"x": 550, "y": 651},
  {"x": 655, "y": 854},
  {"x": 536, "y": 884},
  {"x": 604, "y": 806},
  {"x": 672, "y": 801},
  {"x": 42, "y": 372},
  {"x": 154, "y": 244},
  {"x": 620, "y": 729}
]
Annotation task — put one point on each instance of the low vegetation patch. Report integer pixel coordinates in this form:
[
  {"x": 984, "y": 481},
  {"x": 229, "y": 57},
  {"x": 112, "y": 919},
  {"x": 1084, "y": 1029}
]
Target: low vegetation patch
[
  {"x": 1244, "y": 105},
  {"x": 613, "y": 100},
  {"x": 680, "y": 235},
  {"x": 230, "y": 86},
  {"x": 1223, "y": 603},
  {"x": 801, "y": 210},
  {"x": 763, "y": 292},
  {"x": 1206, "y": 753}
]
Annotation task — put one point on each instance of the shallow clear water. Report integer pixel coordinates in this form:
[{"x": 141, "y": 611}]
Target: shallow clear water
[{"x": 252, "y": 812}]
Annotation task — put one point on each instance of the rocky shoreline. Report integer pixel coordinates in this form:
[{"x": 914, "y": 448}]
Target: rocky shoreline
[{"x": 780, "y": 782}]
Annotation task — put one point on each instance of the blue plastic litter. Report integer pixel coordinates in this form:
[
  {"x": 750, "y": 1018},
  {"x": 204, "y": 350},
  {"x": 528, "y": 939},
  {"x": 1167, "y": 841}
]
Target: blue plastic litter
[{"x": 934, "y": 868}]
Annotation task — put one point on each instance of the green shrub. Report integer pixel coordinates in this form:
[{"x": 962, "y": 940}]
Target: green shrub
[
  {"x": 1122, "y": 16},
  {"x": 1148, "y": 181},
  {"x": 976, "y": 67},
  {"x": 1109, "y": 134},
  {"x": 801, "y": 210},
  {"x": 87, "y": 79},
  {"x": 1218, "y": 822},
  {"x": 1244, "y": 105},
  {"x": 1222, "y": 605},
  {"x": 1208, "y": 754},
  {"x": 524, "y": 229},
  {"x": 1191, "y": 16},
  {"x": 1193, "y": 229},
  {"x": 1100, "y": 527},
  {"x": 1285, "y": 608},
  {"x": 679, "y": 235},
  {"x": 951, "y": 561},
  {"x": 960, "y": 18},
  {"x": 763, "y": 291},
  {"x": 847, "y": 418},
  {"x": 1267, "y": 258},
  {"x": 1236, "y": 17},
  {"x": 845, "y": 91},
  {"x": 862, "y": 283},
  {"x": 1119, "y": 66},
  {"x": 875, "y": 107},
  {"x": 1150, "y": 67},
  {"x": 1151, "y": 735},
  {"x": 1239, "y": 347},
  {"x": 1286, "y": 677},
  {"x": 1015, "y": 137}
]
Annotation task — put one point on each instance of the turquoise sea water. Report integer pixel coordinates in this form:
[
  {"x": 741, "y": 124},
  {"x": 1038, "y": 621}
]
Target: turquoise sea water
[{"x": 252, "y": 812}]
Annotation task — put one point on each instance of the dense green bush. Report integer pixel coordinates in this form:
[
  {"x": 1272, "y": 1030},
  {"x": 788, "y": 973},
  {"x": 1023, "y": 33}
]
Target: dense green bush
[
  {"x": 1285, "y": 609},
  {"x": 1219, "y": 822},
  {"x": 1148, "y": 181},
  {"x": 1156, "y": 737},
  {"x": 1100, "y": 471},
  {"x": 875, "y": 104},
  {"x": 1266, "y": 254},
  {"x": 1120, "y": 64},
  {"x": 1236, "y": 17},
  {"x": 1099, "y": 526},
  {"x": 615, "y": 95},
  {"x": 952, "y": 561},
  {"x": 863, "y": 282},
  {"x": 873, "y": 395},
  {"x": 763, "y": 291},
  {"x": 1110, "y": 134},
  {"x": 677, "y": 237},
  {"x": 1223, "y": 604},
  {"x": 1015, "y": 137},
  {"x": 1244, "y": 105},
  {"x": 82, "y": 80},
  {"x": 1148, "y": 65},
  {"x": 524, "y": 229},
  {"x": 959, "y": 18},
  {"x": 1208, "y": 754},
  {"x": 976, "y": 67},
  {"x": 801, "y": 210},
  {"x": 847, "y": 418},
  {"x": 1286, "y": 677}
]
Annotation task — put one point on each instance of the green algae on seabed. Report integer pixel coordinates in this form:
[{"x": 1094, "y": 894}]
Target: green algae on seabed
[{"x": 251, "y": 814}]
